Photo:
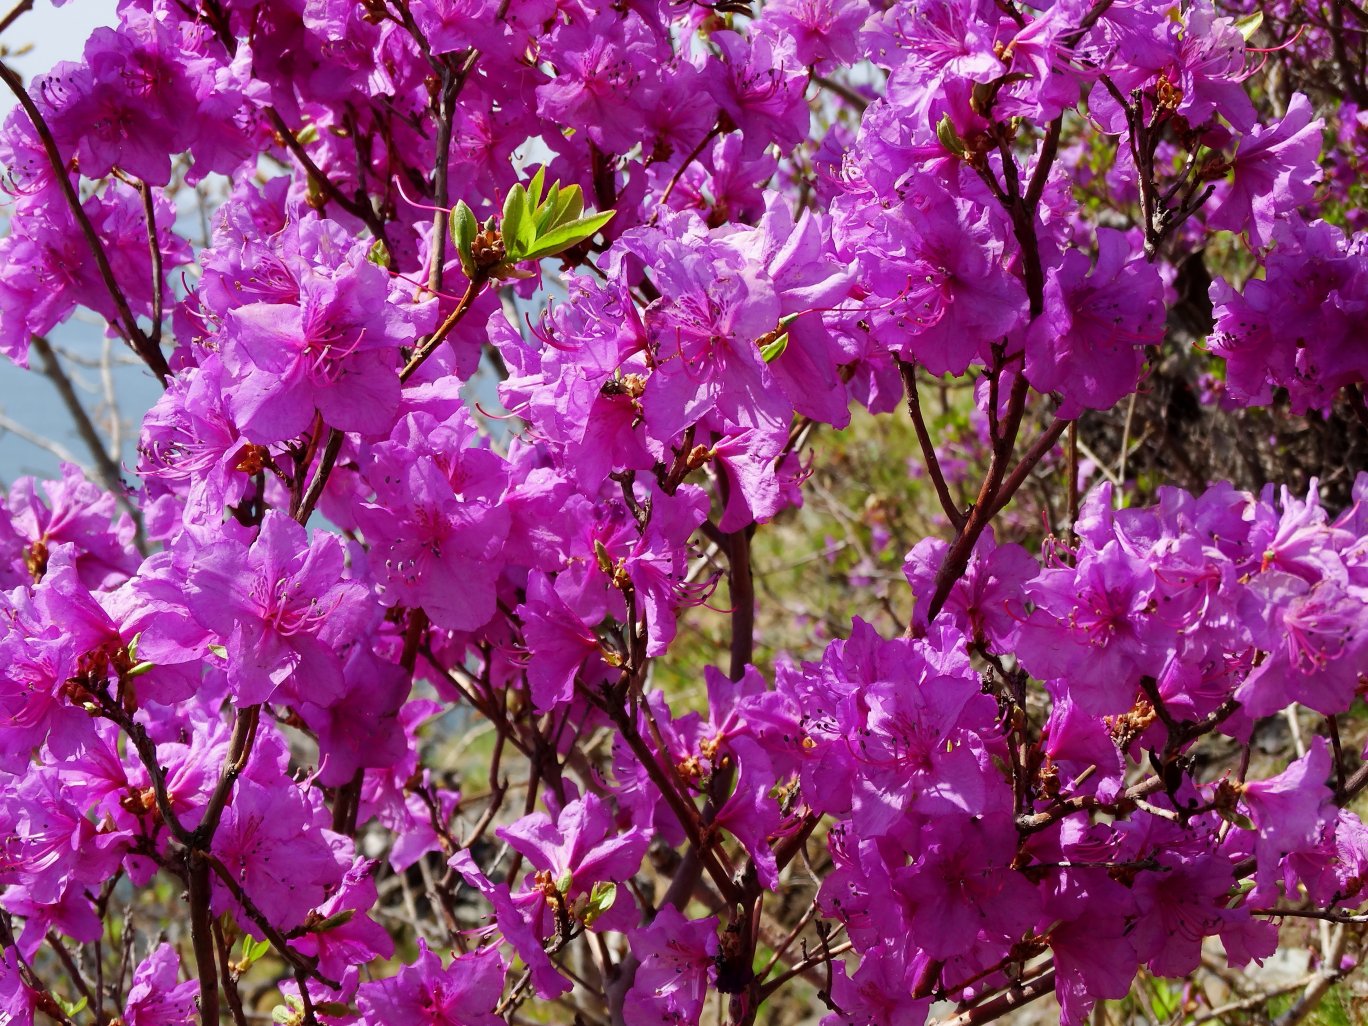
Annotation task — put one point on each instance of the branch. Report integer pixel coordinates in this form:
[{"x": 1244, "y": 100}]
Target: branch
[
  {"x": 105, "y": 466},
  {"x": 359, "y": 206},
  {"x": 430, "y": 346},
  {"x": 320, "y": 479},
  {"x": 1001, "y": 1005},
  {"x": 743, "y": 602},
  {"x": 201, "y": 933},
  {"x": 142, "y": 345},
  {"x": 33, "y": 438},
  {"x": 1327, "y": 976},
  {"x": 42, "y": 997},
  {"x": 1042, "y": 447},
  {"x": 154, "y": 248},
  {"x": 226, "y": 977},
  {"x": 843, "y": 91},
  {"x": 712, "y": 133},
  {"x": 933, "y": 467},
  {"x": 20, "y": 9},
  {"x": 297, "y": 961}
]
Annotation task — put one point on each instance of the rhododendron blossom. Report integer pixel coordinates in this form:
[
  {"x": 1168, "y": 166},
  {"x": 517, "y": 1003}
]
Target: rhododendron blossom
[{"x": 679, "y": 513}]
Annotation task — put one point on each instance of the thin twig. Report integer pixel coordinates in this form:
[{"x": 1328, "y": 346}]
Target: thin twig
[
  {"x": 142, "y": 345},
  {"x": 33, "y": 438},
  {"x": 933, "y": 467},
  {"x": 429, "y": 347},
  {"x": 105, "y": 466},
  {"x": 320, "y": 479},
  {"x": 19, "y": 9}
]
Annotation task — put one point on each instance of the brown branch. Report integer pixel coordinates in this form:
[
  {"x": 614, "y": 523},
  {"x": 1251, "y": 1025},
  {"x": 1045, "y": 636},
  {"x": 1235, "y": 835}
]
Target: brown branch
[
  {"x": 429, "y": 347},
  {"x": 933, "y": 467},
  {"x": 309, "y": 500},
  {"x": 359, "y": 206},
  {"x": 18, "y": 11},
  {"x": 296, "y": 960},
  {"x": 43, "y": 1000},
  {"x": 1013, "y": 999},
  {"x": 239, "y": 749},
  {"x": 1038, "y": 451},
  {"x": 154, "y": 251},
  {"x": 201, "y": 933},
  {"x": 142, "y": 345},
  {"x": 226, "y": 977},
  {"x": 105, "y": 466},
  {"x": 712, "y": 134},
  {"x": 77, "y": 977},
  {"x": 842, "y": 90},
  {"x": 743, "y": 602},
  {"x": 957, "y": 559}
]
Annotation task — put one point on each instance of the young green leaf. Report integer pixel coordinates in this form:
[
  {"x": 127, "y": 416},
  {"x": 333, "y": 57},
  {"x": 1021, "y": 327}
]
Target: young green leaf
[
  {"x": 547, "y": 210},
  {"x": 534, "y": 188},
  {"x": 516, "y": 223},
  {"x": 569, "y": 207},
  {"x": 1249, "y": 24},
  {"x": 771, "y": 351},
  {"x": 558, "y": 240},
  {"x": 464, "y": 228}
]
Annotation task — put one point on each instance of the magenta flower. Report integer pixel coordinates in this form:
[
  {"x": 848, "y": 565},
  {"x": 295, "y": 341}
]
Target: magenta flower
[
  {"x": 156, "y": 998},
  {"x": 1275, "y": 171},
  {"x": 558, "y": 643},
  {"x": 580, "y": 848},
  {"x": 334, "y": 354},
  {"x": 271, "y": 843},
  {"x": 1290, "y": 811},
  {"x": 1089, "y": 344},
  {"x": 761, "y": 88},
  {"x": 424, "y": 994},
  {"x": 437, "y": 525},
  {"x": 677, "y": 963},
  {"x": 281, "y": 608}
]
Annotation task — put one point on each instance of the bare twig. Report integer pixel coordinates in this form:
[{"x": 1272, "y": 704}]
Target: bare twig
[
  {"x": 928, "y": 448},
  {"x": 105, "y": 466},
  {"x": 141, "y": 343},
  {"x": 16, "y": 12}
]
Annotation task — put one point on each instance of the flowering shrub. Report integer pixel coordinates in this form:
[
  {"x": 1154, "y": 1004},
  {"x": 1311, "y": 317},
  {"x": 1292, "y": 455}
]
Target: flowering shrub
[{"x": 716, "y": 229}]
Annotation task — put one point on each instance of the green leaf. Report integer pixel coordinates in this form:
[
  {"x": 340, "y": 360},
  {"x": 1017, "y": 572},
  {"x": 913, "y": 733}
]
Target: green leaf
[
  {"x": 464, "y": 228},
  {"x": 773, "y": 350},
  {"x": 569, "y": 207},
  {"x": 139, "y": 669},
  {"x": 252, "y": 950},
  {"x": 949, "y": 138},
  {"x": 72, "y": 1007},
  {"x": 379, "y": 254},
  {"x": 1167, "y": 998},
  {"x": 1236, "y": 818},
  {"x": 334, "y": 921},
  {"x": 219, "y": 651},
  {"x": 601, "y": 899},
  {"x": 1249, "y": 24},
  {"x": 558, "y": 240},
  {"x": 547, "y": 211},
  {"x": 605, "y": 562},
  {"x": 282, "y": 1015},
  {"x": 534, "y": 188},
  {"x": 516, "y": 223}
]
